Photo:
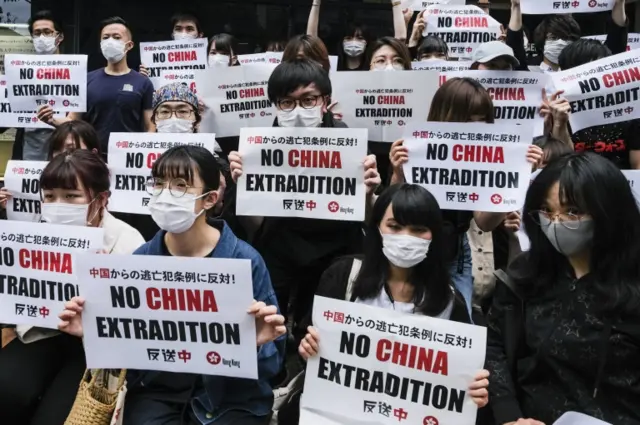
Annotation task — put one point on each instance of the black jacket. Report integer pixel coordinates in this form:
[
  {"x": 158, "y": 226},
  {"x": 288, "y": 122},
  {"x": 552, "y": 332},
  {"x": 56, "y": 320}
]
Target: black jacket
[{"x": 552, "y": 351}]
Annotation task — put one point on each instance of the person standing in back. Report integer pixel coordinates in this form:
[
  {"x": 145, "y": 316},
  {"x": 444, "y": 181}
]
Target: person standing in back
[{"x": 118, "y": 98}]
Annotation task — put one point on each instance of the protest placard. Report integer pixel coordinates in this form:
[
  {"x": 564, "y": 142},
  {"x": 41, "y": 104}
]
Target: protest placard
[
  {"x": 470, "y": 166},
  {"x": 603, "y": 91},
  {"x": 174, "y": 314},
  {"x": 302, "y": 172},
  {"x": 464, "y": 28},
  {"x": 633, "y": 41},
  {"x": 187, "y": 77},
  {"x": 441, "y": 65},
  {"x": 516, "y": 95},
  {"x": 420, "y": 5},
  {"x": 22, "y": 179},
  {"x": 131, "y": 157},
  {"x": 56, "y": 80},
  {"x": 10, "y": 118},
  {"x": 236, "y": 97},
  {"x": 633, "y": 177},
  {"x": 383, "y": 103},
  {"x": 274, "y": 58},
  {"x": 14, "y": 44},
  {"x": 378, "y": 366},
  {"x": 174, "y": 55},
  {"x": 543, "y": 7},
  {"x": 38, "y": 269}
]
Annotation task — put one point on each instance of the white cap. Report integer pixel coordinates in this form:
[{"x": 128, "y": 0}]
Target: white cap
[{"x": 494, "y": 49}]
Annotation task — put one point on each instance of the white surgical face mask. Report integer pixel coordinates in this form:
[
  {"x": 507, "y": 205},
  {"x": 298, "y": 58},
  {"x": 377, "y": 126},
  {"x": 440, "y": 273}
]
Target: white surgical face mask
[
  {"x": 390, "y": 67},
  {"x": 300, "y": 117},
  {"x": 354, "y": 48},
  {"x": 174, "y": 125},
  {"x": 45, "y": 45},
  {"x": 67, "y": 214},
  {"x": 218, "y": 60},
  {"x": 553, "y": 48},
  {"x": 404, "y": 251},
  {"x": 174, "y": 215},
  {"x": 183, "y": 36},
  {"x": 113, "y": 50}
]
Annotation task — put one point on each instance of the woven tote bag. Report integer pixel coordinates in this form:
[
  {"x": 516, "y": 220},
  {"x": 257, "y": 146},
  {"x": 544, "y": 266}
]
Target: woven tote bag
[{"x": 97, "y": 400}]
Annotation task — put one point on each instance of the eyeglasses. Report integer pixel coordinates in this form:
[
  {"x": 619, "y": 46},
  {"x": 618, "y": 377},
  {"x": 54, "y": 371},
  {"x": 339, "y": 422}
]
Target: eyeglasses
[
  {"x": 165, "y": 114},
  {"x": 177, "y": 187},
  {"x": 569, "y": 220},
  {"x": 307, "y": 102},
  {"x": 45, "y": 32}
]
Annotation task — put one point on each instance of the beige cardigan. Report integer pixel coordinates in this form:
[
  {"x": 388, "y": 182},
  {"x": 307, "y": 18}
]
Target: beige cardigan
[{"x": 119, "y": 238}]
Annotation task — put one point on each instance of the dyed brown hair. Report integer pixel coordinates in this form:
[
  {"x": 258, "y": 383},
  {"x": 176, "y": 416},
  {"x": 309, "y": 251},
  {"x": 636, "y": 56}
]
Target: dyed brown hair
[
  {"x": 79, "y": 131},
  {"x": 64, "y": 171},
  {"x": 312, "y": 48},
  {"x": 459, "y": 99},
  {"x": 401, "y": 49}
]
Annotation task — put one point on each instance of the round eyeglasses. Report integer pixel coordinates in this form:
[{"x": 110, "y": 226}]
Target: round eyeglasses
[
  {"x": 569, "y": 220},
  {"x": 177, "y": 187}
]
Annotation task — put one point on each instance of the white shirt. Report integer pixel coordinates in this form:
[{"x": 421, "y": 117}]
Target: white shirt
[{"x": 384, "y": 301}]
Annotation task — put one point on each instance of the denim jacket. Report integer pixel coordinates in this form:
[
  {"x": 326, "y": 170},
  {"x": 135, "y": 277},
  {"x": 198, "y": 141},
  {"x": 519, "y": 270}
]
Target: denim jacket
[{"x": 221, "y": 394}]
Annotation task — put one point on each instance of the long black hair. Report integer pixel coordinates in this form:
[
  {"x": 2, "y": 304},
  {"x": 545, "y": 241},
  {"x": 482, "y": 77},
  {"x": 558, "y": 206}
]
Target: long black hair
[
  {"x": 595, "y": 186},
  {"x": 412, "y": 205}
]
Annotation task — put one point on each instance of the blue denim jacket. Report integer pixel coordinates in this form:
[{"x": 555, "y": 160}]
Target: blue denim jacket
[{"x": 221, "y": 394}]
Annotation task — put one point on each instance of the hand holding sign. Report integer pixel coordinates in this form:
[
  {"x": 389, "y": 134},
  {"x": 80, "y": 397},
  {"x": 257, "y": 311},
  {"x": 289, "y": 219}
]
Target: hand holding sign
[
  {"x": 71, "y": 317},
  {"x": 5, "y": 195},
  {"x": 269, "y": 324},
  {"x": 371, "y": 175},
  {"x": 235, "y": 164},
  {"x": 513, "y": 221},
  {"x": 478, "y": 389},
  {"x": 309, "y": 345},
  {"x": 45, "y": 114},
  {"x": 535, "y": 155}
]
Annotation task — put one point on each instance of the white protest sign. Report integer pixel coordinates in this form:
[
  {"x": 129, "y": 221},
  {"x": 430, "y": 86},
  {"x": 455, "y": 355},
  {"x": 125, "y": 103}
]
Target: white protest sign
[
  {"x": 441, "y": 65},
  {"x": 516, "y": 95},
  {"x": 574, "y": 418},
  {"x": 275, "y": 58},
  {"x": 14, "y": 44},
  {"x": 56, "y": 80},
  {"x": 633, "y": 40},
  {"x": 302, "y": 172},
  {"x": 378, "y": 366},
  {"x": 188, "y": 77},
  {"x": 420, "y": 5},
  {"x": 131, "y": 157},
  {"x": 384, "y": 102},
  {"x": 523, "y": 239},
  {"x": 18, "y": 119},
  {"x": 38, "y": 269},
  {"x": 633, "y": 176},
  {"x": 22, "y": 179},
  {"x": 603, "y": 91},
  {"x": 464, "y": 28},
  {"x": 174, "y": 55},
  {"x": 174, "y": 314},
  {"x": 551, "y": 7},
  {"x": 236, "y": 97},
  {"x": 470, "y": 166}
]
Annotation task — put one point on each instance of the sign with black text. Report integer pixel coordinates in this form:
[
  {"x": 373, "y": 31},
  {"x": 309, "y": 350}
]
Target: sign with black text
[
  {"x": 302, "y": 172},
  {"x": 551, "y": 7},
  {"x": 174, "y": 55},
  {"x": 22, "y": 179}
]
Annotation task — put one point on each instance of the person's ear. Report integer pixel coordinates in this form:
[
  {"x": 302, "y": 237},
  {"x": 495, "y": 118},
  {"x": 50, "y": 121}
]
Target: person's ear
[
  {"x": 325, "y": 104},
  {"x": 210, "y": 200},
  {"x": 200, "y": 35},
  {"x": 60, "y": 38},
  {"x": 129, "y": 46}
]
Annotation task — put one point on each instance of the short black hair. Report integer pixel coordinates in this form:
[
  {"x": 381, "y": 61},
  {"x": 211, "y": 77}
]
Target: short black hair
[
  {"x": 185, "y": 16},
  {"x": 116, "y": 20},
  {"x": 184, "y": 161},
  {"x": 290, "y": 76},
  {"x": 560, "y": 27},
  {"x": 45, "y": 15},
  {"x": 433, "y": 45},
  {"x": 581, "y": 52}
]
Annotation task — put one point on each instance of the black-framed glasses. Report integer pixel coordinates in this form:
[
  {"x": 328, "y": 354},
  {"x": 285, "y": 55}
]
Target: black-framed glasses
[
  {"x": 165, "y": 114},
  {"x": 177, "y": 187},
  {"x": 46, "y": 32},
  {"x": 545, "y": 218},
  {"x": 306, "y": 102}
]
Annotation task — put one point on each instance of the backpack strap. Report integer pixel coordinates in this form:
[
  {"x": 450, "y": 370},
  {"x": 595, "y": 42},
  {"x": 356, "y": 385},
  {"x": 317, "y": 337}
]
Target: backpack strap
[{"x": 355, "y": 270}]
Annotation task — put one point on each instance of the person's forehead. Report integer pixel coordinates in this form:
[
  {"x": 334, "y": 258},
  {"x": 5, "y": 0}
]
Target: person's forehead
[
  {"x": 43, "y": 24},
  {"x": 115, "y": 29},
  {"x": 301, "y": 91},
  {"x": 386, "y": 51},
  {"x": 186, "y": 23},
  {"x": 174, "y": 105}
]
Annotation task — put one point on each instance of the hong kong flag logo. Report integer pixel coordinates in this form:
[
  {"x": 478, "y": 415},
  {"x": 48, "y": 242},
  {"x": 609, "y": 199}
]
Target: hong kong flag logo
[{"x": 593, "y": 3}]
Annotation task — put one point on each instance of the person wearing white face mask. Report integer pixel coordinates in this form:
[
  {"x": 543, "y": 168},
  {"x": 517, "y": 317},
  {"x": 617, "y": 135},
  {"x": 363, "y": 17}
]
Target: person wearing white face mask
[
  {"x": 119, "y": 99},
  {"x": 222, "y": 51},
  {"x": 403, "y": 269},
  {"x": 184, "y": 190},
  {"x": 297, "y": 250},
  {"x": 49, "y": 365},
  {"x": 175, "y": 109}
]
